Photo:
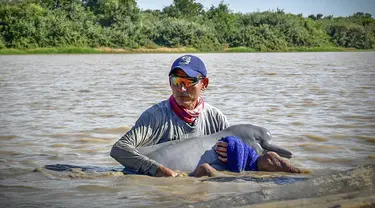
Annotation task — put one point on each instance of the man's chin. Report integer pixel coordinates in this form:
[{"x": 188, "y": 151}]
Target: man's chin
[{"x": 183, "y": 103}]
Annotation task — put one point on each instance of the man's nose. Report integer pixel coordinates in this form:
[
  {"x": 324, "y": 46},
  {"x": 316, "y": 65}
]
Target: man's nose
[{"x": 182, "y": 87}]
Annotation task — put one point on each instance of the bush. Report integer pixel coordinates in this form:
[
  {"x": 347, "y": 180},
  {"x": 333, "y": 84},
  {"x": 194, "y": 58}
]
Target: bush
[
  {"x": 2, "y": 43},
  {"x": 350, "y": 36},
  {"x": 32, "y": 24}
]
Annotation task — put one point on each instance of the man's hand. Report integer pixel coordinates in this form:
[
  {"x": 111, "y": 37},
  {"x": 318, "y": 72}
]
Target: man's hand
[
  {"x": 204, "y": 170},
  {"x": 221, "y": 150},
  {"x": 165, "y": 172}
]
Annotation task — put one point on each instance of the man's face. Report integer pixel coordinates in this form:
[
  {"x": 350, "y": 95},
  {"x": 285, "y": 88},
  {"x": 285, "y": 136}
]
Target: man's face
[{"x": 187, "y": 96}]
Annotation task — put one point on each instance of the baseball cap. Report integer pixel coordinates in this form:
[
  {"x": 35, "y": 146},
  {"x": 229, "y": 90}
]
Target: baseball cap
[{"x": 191, "y": 65}]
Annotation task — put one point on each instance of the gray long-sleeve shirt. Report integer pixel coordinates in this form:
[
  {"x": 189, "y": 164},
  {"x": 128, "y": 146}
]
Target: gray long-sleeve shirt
[{"x": 160, "y": 124}]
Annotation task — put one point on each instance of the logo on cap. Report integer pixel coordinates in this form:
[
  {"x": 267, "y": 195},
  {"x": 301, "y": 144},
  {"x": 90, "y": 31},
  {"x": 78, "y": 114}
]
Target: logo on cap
[{"x": 185, "y": 60}]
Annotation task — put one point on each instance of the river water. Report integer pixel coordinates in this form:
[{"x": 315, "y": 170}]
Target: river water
[{"x": 70, "y": 109}]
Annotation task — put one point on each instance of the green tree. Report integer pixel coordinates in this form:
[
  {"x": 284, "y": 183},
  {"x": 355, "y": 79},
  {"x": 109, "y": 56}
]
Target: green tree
[
  {"x": 109, "y": 12},
  {"x": 184, "y": 9},
  {"x": 19, "y": 24},
  {"x": 2, "y": 43},
  {"x": 350, "y": 35},
  {"x": 121, "y": 24},
  {"x": 328, "y": 17},
  {"x": 55, "y": 4},
  {"x": 173, "y": 32},
  {"x": 312, "y": 16},
  {"x": 224, "y": 22}
]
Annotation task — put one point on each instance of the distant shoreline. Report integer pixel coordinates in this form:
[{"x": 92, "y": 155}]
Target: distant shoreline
[{"x": 83, "y": 50}]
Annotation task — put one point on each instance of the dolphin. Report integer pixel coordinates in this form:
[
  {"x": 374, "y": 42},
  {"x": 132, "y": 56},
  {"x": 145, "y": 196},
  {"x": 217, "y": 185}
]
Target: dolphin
[{"x": 188, "y": 154}]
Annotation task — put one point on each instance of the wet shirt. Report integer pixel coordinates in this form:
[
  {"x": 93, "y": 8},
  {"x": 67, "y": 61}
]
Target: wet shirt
[{"x": 159, "y": 124}]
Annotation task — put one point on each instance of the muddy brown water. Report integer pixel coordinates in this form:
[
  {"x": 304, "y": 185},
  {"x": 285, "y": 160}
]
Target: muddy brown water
[{"x": 70, "y": 109}]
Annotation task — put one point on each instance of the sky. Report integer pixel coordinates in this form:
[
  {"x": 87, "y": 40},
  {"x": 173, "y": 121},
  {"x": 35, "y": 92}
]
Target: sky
[{"x": 306, "y": 7}]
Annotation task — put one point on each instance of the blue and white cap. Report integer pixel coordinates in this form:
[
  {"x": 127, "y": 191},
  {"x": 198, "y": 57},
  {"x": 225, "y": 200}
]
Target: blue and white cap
[{"x": 191, "y": 65}]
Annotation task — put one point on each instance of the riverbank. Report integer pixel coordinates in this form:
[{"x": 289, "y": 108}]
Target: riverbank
[{"x": 103, "y": 50}]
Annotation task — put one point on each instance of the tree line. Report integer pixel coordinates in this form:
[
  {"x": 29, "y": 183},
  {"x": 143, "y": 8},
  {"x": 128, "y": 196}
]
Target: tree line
[{"x": 28, "y": 24}]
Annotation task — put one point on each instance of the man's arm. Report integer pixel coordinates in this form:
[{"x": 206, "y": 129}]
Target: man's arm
[
  {"x": 141, "y": 134},
  {"x": 124, "y": 150}
]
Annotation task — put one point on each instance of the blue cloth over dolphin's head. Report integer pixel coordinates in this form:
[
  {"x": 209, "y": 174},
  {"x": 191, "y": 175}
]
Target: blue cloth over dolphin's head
[{"x": 240, "y": 156}]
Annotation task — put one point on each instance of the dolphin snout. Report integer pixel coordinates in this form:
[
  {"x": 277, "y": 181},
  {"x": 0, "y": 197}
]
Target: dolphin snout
[{"x": 279, "y": 150}]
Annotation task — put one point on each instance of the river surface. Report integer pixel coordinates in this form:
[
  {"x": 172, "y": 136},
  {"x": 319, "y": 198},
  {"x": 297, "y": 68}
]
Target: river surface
[{"x": 71, "y": 109}]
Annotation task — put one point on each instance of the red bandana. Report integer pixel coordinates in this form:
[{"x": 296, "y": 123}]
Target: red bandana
[{"x": 185, "y": 114}]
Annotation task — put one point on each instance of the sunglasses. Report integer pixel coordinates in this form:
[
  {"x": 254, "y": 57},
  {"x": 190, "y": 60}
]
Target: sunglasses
[{"x": 187, "y": 81}]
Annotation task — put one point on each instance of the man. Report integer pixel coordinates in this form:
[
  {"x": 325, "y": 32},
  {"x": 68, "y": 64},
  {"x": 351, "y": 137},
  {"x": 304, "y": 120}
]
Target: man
[{"x": 183, "y": 115}]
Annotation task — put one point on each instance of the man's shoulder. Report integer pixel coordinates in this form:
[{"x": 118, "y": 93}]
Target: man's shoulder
[
  {"x": 211, "y": 108},
  {"x": 158, "y": 108},
  {"x": 216, "y": 119}
]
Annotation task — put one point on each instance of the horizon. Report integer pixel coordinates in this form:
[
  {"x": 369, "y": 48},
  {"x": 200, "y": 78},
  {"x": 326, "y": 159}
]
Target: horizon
[{"x": 326, "y": 7}]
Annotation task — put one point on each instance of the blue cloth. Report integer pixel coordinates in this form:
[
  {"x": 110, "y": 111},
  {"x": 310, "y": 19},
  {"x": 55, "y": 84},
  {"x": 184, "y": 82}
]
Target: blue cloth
[{"x": 240, "y": 156}]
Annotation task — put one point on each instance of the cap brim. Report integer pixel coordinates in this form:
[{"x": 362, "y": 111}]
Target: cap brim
[{"x": 190, "y": 72}]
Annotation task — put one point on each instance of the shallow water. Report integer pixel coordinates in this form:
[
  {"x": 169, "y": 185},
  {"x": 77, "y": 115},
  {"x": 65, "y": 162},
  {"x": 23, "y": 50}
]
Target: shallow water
[{"x": 70, "y": 109}]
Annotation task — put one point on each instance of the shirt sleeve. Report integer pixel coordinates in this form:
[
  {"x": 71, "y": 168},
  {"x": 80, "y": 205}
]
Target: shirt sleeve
[
  {"x": 222, "y": 120},
  {"x": 141, "y": 134},
  {"x": 225, "y": 122}
]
